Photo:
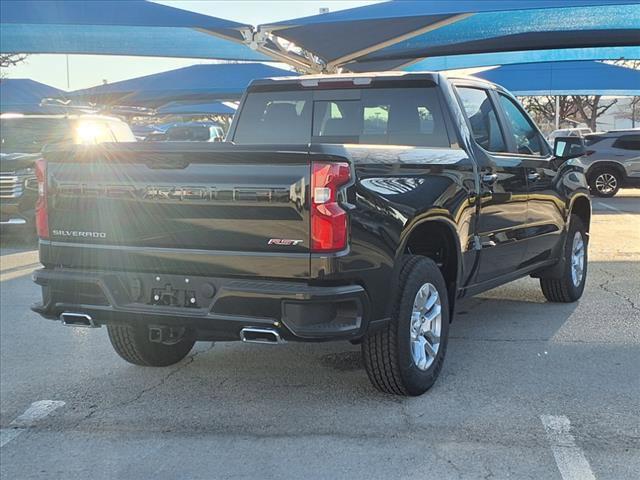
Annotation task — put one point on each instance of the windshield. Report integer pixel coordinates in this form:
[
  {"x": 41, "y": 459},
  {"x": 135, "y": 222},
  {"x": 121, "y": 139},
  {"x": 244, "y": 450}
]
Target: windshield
[
  {"x": 386, "y": 116},
  {"x": 29, "y": 135}
]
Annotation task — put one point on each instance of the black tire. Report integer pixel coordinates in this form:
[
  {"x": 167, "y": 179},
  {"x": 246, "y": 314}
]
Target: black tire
[
  {"x": 605, "y": 182},
  {"x": 561, "y": 287},
  {"x": 132, "y": 343},
  {"x": 387, "y": 353}
]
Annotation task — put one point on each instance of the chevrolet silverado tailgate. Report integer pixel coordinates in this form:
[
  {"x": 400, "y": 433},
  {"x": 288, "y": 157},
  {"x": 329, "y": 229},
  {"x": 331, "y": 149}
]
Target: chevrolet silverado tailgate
[{"x": 181, "y": 207}]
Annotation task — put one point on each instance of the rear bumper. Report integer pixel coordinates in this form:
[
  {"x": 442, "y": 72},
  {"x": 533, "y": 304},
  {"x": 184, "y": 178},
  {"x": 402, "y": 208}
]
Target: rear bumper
[{"x": 214, "y": 308}]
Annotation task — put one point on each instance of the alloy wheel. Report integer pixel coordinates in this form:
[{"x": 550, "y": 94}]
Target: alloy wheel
[
  {"x": 426, "y": 325},
  {"x": 606, "y": 183},
  {"x": 577, "y": 259}
]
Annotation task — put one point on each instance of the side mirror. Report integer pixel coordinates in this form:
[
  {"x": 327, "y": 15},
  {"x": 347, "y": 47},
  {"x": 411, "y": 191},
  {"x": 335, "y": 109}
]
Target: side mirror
[{"x": 566, "y": 148}]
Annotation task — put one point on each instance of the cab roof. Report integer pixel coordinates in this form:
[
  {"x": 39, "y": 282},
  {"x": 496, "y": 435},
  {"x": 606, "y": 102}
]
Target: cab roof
[
  {"x": 365, "y": 79},
  {"x": 359, "y": 78}
]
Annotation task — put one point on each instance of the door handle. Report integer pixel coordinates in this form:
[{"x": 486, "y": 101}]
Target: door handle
[
  {"x": 533, "y": 177},
  {"x": 489, "y": 179}
]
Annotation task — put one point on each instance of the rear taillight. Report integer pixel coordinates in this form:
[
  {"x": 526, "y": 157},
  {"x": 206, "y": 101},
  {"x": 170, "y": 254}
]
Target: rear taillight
[
  {"x": 42, "y": 216},
  {"x": 328, "y": 219}
]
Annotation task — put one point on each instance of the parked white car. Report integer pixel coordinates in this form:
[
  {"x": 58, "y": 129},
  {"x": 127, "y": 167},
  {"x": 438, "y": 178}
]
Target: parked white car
[{"x": 569, "y": 132}]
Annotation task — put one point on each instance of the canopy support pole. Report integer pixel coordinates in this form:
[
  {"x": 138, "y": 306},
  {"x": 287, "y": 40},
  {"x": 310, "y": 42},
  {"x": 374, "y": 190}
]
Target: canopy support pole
[
  {"x": 335, "y": 64},
  {"x": 259, "y": 41},
  {"x": 312, "y": 63},
  {"x": 557, "y": 112}
]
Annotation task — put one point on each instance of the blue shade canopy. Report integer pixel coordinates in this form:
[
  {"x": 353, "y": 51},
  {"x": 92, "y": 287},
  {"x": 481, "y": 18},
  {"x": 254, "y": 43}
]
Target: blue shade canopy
[
  {"x": 412, "y": 29},
  {"x": 22, "y": 95},
  {"x": 506, "y": 58},
  {"x": 210, "y": 108},
  {"x": 195, "y": 83},
  {"x": 565, "y": 78},
  {"x": 124, "y": 27}
]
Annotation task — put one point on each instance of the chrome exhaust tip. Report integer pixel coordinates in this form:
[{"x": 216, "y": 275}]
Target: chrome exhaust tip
[
  {"x": 71, "y": 319},
  {"x": 260, "y": 335}
]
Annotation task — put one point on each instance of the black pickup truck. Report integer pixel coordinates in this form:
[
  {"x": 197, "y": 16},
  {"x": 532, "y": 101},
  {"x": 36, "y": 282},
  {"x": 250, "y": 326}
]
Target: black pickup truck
[{"x": 358, "y": 208}]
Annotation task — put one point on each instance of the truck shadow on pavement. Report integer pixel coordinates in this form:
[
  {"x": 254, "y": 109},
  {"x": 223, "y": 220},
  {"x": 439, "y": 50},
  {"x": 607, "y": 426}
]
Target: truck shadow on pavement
[
  {"x": 508, "y": 348},
  {"x": 230, "y": 385}
]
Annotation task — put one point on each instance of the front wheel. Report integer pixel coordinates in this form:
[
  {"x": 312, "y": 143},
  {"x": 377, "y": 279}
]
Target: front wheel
[
  {"x": 406, "y": 357},
  {"x": 568, "y": 287},
  {"x": 132, "y": 343},
  {"x": 605, "y": 182}
]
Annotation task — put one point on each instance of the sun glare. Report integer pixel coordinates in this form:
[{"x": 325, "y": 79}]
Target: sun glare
[{"x": 89, "y": 133}]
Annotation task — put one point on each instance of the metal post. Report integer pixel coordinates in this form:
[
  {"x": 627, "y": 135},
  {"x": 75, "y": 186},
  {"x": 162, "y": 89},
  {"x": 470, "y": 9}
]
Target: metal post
[
  {"x": 557, "y": 112},
  {"x": 68, "y": 81}
]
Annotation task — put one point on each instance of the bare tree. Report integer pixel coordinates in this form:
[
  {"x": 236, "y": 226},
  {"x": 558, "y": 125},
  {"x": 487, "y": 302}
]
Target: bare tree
[
  {"x": 633, "y": 113},
  {"x": 580, "y": 109},
  {"x": 574, "y": 109},
  {"x": 543, "y": 110},
  {"x": 591, "y": 108},
  {"x": 10, "y": 60}
]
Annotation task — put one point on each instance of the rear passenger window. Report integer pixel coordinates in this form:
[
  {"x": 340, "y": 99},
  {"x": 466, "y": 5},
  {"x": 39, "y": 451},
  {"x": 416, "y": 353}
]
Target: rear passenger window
[
  {"x": 483, "y": 119},
  {"x": 275, "y": 117},
  {"x": 628, "y": 142},
  {"x": 391, "y": 116},
  {"x": 528, "y": 139}
]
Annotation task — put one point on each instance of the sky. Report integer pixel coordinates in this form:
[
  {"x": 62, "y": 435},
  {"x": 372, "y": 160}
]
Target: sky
[{"x": 89, "y": 70}]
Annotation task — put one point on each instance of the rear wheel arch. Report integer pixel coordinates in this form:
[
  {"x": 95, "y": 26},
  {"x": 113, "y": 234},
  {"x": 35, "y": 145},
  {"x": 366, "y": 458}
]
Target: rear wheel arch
[
  {"x": 438, "y": 240},
  {"x": 605, "y": 165},
  {"x": 581, "y": 207}
]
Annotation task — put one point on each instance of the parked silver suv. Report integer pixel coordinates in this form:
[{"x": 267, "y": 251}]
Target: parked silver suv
[{"x": 613, "y": 160}]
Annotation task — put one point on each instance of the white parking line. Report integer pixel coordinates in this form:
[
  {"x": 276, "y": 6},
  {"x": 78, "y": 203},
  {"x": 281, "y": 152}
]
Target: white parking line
[
  {"x": 37, "y": 411},
  {"x": 8, "y": 434},
  {"x": 609, "y": 207},
  {"x": 570, "y": 459}
]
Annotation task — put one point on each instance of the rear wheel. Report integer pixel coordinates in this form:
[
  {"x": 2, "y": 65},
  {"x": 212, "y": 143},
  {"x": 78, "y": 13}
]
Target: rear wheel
[
  {"x": 406, "y": 357},
  {"x": 605, "y": 182},
  {"x": 132, "y": 343},
  {"x": 568, "y": 287}
]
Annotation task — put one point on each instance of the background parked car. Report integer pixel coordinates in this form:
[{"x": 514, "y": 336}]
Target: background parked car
[
  {"x": 22, "y": 139},
  {"x": 613, "y": 160},
  {"x": 195, "y": 132},
  {"x": 569, "y": 132},
  {"x": 186, "y": 132}
]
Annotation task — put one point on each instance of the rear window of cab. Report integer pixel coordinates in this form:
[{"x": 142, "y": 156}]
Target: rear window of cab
[{"x": 383, "y": 116}]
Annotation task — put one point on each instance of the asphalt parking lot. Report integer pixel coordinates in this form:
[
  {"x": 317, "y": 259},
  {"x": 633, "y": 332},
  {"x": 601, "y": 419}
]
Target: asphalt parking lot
[{"x": 529, "y": 390}]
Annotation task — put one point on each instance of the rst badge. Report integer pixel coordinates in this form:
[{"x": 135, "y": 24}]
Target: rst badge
[{"x": 284, "y": 242}]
